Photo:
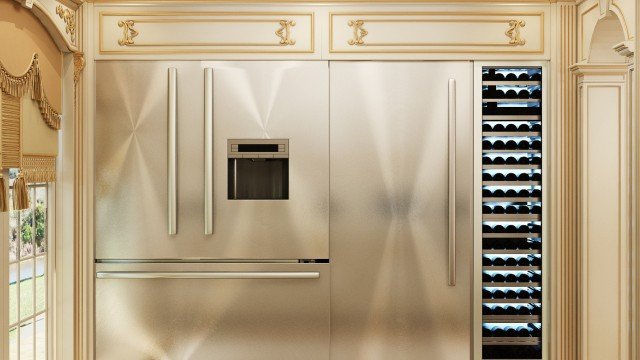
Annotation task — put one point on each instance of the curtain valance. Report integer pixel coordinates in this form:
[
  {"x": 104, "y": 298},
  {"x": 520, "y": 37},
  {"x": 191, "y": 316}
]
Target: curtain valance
[{"x": 28, "y": 131}]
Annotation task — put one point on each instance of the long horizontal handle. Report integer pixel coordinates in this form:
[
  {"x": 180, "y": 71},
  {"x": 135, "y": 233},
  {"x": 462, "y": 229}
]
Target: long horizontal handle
[{"x": 208, "y": 275}]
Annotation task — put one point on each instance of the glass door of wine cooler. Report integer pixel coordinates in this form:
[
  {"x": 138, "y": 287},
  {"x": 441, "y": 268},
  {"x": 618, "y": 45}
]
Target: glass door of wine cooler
[{"x": 509, "y": 165}]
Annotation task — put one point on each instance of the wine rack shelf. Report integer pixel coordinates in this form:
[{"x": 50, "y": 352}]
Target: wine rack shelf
[
  {"x": 517, "y": 252},
  {"x": 513, "y": 83},
  {"x": 512, "y": 133},
  {"x": 511, "y": 340},
  {"x": 511, "y": 285},
  {"x": 510, "y": 167},
  {"x": 511, "y": 268},
  {"x": 511, "y": 318},
  {"x": 512, "y": 151},
  {"x": 512, "y": 301},
  {"x": 509, "y": 217},
  {"x": 511, "y": 100},
  {"x": 511, "y": 117}
]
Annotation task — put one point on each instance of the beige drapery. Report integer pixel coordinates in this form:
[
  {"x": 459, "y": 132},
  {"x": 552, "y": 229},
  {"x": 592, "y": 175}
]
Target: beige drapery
[{"x": 28, "y": 131}]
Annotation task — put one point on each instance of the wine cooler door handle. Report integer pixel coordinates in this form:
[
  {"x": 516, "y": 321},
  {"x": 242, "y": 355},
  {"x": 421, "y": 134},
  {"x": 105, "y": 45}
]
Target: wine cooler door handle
[
  {"x": 172, "y": 119},
  {"x": 208, "y": 275},
  {"x": 452, "y": 183},
  {"x": 208, "y": 151}
]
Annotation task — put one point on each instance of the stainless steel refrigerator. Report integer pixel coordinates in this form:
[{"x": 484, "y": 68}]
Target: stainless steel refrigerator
[
  {"x": 401, "y": 210},
  {"x": 196, "y": 257},
  {"x": 283, "y": 210}
]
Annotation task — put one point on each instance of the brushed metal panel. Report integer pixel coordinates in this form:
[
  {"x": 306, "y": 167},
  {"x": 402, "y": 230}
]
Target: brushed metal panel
[
  {"x": 131, "y": 157},
  {"x": 390, "y": 297},
  {"x": 286, "y": 100},
  {"x": 194, "y": 319}
]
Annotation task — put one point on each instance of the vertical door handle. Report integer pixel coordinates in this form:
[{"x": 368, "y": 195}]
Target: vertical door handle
[
  {"x": 172, "y": 119},
  {"x": 208, "y": 151},
  {"x": 452, "y": 183}
]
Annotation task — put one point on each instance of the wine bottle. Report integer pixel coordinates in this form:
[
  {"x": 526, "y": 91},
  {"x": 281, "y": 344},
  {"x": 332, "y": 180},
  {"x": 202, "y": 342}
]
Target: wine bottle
[
  {"x": 498, "y": 177},
  {"x": 523, "y": 278},
  {"x": 536, "y": 77},
  {"x": 486, "y": 332},
  {"x": 511, "y": 193},
  {"x": 536, "y": 209},
  {"x": 499, "y": 160},
  {"x": 498, "y": 128},
  {"x": 486, "y": 160},
  {"x": 511, "y": 209},
  {"x": 536, "y": 261},
  {"x": 486, "y": 261},
  {"x": 498, "y": 294},
  {"x": 523, "y": 77},
  {"x": 521, "y": 330},
  {"x": 523, "y": 94},
  {"x": 511, "y": 229},
  {"x": 498, "y": 77},
  {"x": 536, "y": 145},
  {"x": 486, "y": 145},
  {"x": 486, "y": 193},
  {"x": 498, "y": 193},
  {"x": 498, "y": 262},
  {"x": 511, "y": 262},
  {"x": 511, "y": 332},
  {"x": 511, "y": 77},
  {"x": 536, "y": 177},
  {"x": 497, "y": 145},
  {"x": 511, "y": 294},
  {"x": 511, "y": 161},
  {"x": 486, "y": 209},
  {"x": 511, "y": 128},
  {"x": 523, "y": 177},
  {"x": 523, "y": 160},
  {"x": 498, "y": 209},
  {"x": 510, "y": 177},
  {"x": 486, "y": 177},
  {"x": 523, "y": 145},
  {"x": 523, "y": 210},
  {"x": 523, "y": 128},
  {"x": 536, "y": 127},
  {"x": 486, "y": 127},
  {"x": 497, "y": 331},
  {"x": 511, "y": 145},
  {"x": 511, "y": 278},
  {"x": 486, "y": 294},
  {"x": 523, "y": 310},
  {"x": 536, "y": 94},
  {"x": 536, "y": 193},
  {"x": 523, "y": 261},
  {"x": 486, "y": 277}
]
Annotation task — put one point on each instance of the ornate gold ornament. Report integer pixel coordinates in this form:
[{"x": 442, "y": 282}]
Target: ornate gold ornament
[
  {"x": 359, "y": 32},
  {"x": 514, "y": 32},
  {"x": 128, "y": 32},
  {"x": 69, "y": 19},
  {"x": 78, "y": 66},
  {"x": 284, "y": 33}
]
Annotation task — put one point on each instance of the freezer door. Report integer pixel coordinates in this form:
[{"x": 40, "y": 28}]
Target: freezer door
[
  {"x": 401, "y": 285},
  {"x": 161, "y": 191},
  {"x": 212, "y": 311}
]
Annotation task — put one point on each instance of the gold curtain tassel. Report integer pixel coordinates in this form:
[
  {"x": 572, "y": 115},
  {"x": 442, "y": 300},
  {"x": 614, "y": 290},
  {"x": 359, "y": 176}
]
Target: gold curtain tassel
[
  {"x": 4, "y": 205},
  {"x": 20, "y": 193}
]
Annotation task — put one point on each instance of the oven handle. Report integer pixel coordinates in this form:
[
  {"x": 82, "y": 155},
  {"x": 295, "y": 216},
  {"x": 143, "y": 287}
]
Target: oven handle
[
  {"x": 172, "y": 118},
  {"x": 208, "y": 275},
  {"x": 208, "y": 151},
  {"x": 452, "y": 183}
]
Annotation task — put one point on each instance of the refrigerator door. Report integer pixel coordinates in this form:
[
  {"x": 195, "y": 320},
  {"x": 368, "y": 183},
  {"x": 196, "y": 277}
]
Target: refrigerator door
[
  {"x": 394, "y": 264},
  {"x": 147, "y": 210},
  {"x": 212, "y": 311}
]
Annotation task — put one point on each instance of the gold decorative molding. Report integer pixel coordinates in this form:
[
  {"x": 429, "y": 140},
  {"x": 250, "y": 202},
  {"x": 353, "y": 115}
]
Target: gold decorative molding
[
  {"x": 128, "y": 32},
  {"x": 359, "y": 32},
  {"x": 514, "y": 32},
  {"x": 69, "y": 19},
  {"x": 284, "y": 33},
  {"x": 78, "y": 65}
]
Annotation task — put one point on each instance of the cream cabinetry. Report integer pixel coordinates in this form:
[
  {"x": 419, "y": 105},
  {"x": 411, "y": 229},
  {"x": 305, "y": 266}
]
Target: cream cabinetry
[
  {"x": 330, "y": 31},
  {"x": 437, "y": 32},
  {"x": 176, "y": 32}
]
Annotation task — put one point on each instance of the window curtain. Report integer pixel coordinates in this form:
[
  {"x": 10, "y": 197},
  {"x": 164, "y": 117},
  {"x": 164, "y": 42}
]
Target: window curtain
[{"x": 28, "y": 132}]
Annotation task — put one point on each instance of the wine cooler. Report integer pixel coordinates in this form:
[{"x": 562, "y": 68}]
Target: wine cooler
[{"x": 512, "y": 241}]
